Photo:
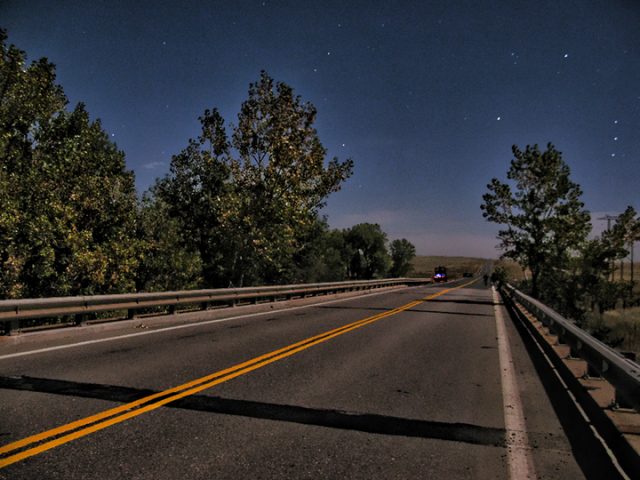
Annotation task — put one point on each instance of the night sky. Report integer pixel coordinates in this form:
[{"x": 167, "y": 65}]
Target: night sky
[{"x": 426, "y": 97}]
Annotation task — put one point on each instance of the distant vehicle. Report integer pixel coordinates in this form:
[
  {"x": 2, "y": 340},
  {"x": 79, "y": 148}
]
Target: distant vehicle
[
  {"x": 467, "y": 274},
  {"x": 440, "y": 274}
]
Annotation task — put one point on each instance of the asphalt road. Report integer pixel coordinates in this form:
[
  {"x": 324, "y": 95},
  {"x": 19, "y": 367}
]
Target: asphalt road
[{"x": 412, "y": 393}]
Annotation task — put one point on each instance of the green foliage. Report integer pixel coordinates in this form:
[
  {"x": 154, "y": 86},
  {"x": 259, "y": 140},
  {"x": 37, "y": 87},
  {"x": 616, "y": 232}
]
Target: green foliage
[
  {"x": 541, "y": 209},
  {"x": 369, "y": 258},
  {"x": 28, "y": 98},
  {"x": 324, "y": 257},
  {"x": 624, "y": 231},
  {"x": 280, "y": 177},
  {"x": 600, "y": 329},
  {"x": 68, "y": 205},
  {"x": 499, "y": 276},
  {"x": 197, "y": 197},
  {"x": 253, "y": 201},
  {"x": 593, "y": 268},
  {"x": 625, "y": 325},
  {"x": 402, "y": 252},
  {"x": 166, "y": 263},
  {"x": 423, "y": 266},
  {"x": 232, "y": 211}
]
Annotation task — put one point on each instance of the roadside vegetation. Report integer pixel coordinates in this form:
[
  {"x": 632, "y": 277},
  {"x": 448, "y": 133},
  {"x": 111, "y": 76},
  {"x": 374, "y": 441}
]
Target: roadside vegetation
[
  {"x": 623, "y": 327},
  {"x": 240, "y": 205},
  {"x": 546, "y": 231},
  {"x": 512, "y": 270}
]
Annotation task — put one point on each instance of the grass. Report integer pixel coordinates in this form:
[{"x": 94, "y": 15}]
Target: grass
[
  {"x": 423, "y": 266},
  {"x": 625, "y": 324},
  {"x": 514, "y": 270},
  {"x": 626, "y": 271}
]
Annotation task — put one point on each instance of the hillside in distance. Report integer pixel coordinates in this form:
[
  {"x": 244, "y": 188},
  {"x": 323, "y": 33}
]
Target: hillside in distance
[{"x": 423, "y": 265}]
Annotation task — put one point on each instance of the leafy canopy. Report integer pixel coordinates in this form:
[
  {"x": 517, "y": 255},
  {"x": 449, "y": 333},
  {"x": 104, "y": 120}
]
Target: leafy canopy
[
  {"x": 369, "y": 255},
  {"x": 253, "y": 199},
  {"x": 402, "y": 252},
  {"x": 67, "y": 203},
  {"x": 541, "y": 210}
]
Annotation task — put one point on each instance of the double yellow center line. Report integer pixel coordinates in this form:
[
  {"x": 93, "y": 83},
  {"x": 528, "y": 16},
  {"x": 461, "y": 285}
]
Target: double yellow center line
[{"x": 41, "y": 442}]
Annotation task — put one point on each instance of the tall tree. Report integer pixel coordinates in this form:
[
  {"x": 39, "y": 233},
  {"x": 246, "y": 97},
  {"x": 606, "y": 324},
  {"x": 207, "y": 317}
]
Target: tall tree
[
  {"x": 197, "y": 195},
  {"x": 253, "y": 201},
  {"x": 402, "y": 252},
  {"x": 68, "y": 203},
  {"x": 541, "y": 209},
  {"x": 82, "y": 188},
  {"x": 166, "y": 260},
  {"x": 28, "y": 98},
  {"x": 280, "y": 177},
  {"x": 368, "y": 244}
]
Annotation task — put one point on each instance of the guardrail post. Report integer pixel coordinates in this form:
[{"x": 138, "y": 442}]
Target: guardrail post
[
  {"x": 574, "y": 351},
  {"x": 621, "y": 401},
  {"x": 561, "y": 332},
  {"x": 204, "y": 306},
  {"x": 80, "y": 319},
  {"x": 593, "y": 371},
  {"x": 131, "y": 313},
  {"x": 172, "y": 309},
  {"x": 12, "y": 327}
]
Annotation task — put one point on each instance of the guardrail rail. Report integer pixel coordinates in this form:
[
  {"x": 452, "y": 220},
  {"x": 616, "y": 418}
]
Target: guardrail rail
[
  {"x": 618, "y": 370},
  {"x": 13, "y": 313},
  {"x": 617, "y": 423}
]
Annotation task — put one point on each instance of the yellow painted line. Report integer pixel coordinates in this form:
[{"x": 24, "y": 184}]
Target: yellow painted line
[{"x": 117, "y": 415}]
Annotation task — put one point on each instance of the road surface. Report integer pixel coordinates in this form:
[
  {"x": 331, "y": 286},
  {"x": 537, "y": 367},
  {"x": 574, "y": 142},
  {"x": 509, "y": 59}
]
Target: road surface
[{"x": 402, "y": 384}]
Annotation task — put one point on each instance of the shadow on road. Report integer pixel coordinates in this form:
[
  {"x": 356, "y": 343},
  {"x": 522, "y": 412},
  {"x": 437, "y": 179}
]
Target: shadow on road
[{"x": 363, "y": 422}]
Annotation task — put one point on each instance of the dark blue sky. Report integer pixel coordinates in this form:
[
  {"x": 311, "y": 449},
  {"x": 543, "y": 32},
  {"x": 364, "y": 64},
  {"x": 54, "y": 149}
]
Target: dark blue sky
[{"x": 426, "y": 97}]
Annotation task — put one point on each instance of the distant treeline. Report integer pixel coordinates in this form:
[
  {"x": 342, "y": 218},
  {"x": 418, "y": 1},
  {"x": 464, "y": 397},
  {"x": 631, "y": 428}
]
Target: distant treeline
[{"x": 239, "y": 207}]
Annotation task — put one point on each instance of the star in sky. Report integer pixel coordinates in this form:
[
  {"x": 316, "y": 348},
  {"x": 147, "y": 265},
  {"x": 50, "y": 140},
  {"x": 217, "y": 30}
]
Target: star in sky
[{"x": 396, "y": 92}]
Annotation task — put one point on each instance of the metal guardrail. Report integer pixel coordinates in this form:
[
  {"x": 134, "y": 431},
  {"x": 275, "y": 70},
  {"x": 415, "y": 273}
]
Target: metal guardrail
[
  {"x": 619, "y": 371},
  {"x": 13, "y": 312}
]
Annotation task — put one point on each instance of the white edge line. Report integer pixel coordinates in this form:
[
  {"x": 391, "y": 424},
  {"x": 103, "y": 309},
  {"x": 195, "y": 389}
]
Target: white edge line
[
  {"x": 578, "y": 406},
  {"x": 519, "y": 455},
  {"x": 189, "y": 325}
]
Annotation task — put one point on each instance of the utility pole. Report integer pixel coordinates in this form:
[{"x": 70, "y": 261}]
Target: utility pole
[{"x": 633, "y": 244}]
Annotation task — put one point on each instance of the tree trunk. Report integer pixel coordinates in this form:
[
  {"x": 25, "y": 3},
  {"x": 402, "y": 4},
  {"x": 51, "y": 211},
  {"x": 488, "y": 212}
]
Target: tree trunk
[{"x": 535, "y": 273}]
